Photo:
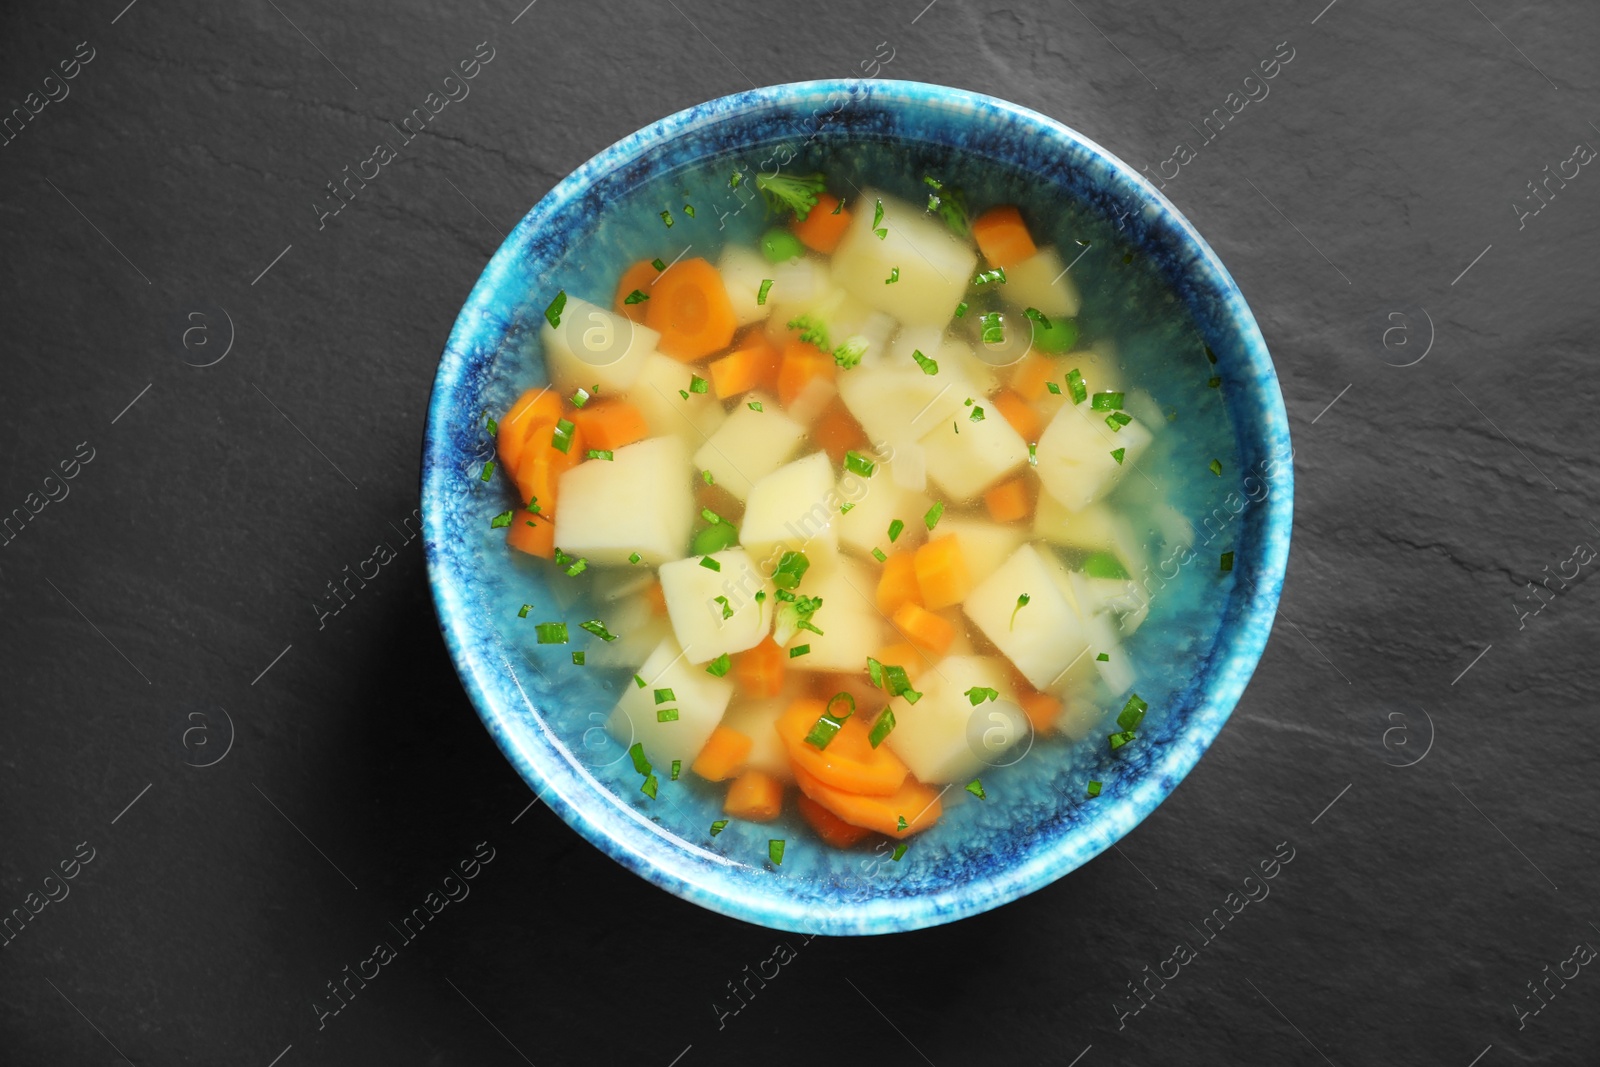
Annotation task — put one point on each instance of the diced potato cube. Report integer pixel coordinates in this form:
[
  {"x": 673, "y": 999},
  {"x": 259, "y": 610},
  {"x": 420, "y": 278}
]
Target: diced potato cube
[
  {"x": 934, "y": 266},
  {"x": 1075, "y": 461},
  {"x": 793, "y": 508},
  {"x": 595, "y": 346},
  {"x": 749, "y": 445},
  {"x": 899, "y": 404},
  {"x": 716, "y": 611},
  {"x": 758, "y": 720},
  {"x": 984, "y": 545},
  {"x": 1100, "y": 626},
  {"x": 743, "y": 271},
  {"x": 852, "y": 627},
  {"x": 966, "y": 457},
  {"x": 698, "y": 697},
  {"x": 1044, "y": 638},
  {"x": 640, "y": 501},
  {"x": 944, "y": 737},
  {"x": 658, "y": 393},
  {"x": 1039, "y": 282},
  {"x": 878, "y": 501}
]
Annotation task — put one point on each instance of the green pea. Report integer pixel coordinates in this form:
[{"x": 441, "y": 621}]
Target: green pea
[
  {"x": 714, "y": 539},
  {"x": 780, "y": 246},
  {"x": 1060, "y": 337}
]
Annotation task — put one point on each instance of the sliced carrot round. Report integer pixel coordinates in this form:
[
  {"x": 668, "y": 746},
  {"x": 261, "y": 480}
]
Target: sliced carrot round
[
  {"x": 535, "y": 405},
  {"x": 538, "y": 539},
  {"x": 542, "y": 464},
  {"x": 849, "y": 762},
  {"x": 823, "y": 229},
  {"x": 610, "y": 424},
  {"x": 690, "y": 309},
  {"x": 914, "y": 802},
  {"x": 832, "y": 829},
  {"x": 639, "y": 276}
]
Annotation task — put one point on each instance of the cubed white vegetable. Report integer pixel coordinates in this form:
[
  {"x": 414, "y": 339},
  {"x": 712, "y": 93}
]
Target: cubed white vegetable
[
  {"x": 749, "y": 445},
  {"x": 640, "y": 501},
  {"x": 1039, "y": 282},
  {"x": 899, "y": 403},
  {"x": 1075, "y": 461},
  {"x": 984, "y": 545},
  {"x": 909, "y": 465},
  {"x": 934, "y": 266},
  {"x": 966, "y": 457},
  {"x": 852, "y": 627},
  {"x": 595, "y": 346},
  {"x": 982, "y": 377},
  {"x": 658, "y": 394},
  {"x": 706, "y": 626},
  {"x": 1046, "y": 636},
  {"x": 945, "y": 738},
  {"x": 1100, "y": 626},
  {"x": 792, "y": 508},
  {"x": 758, "y": 720},
  {"x": 743, "y": 270},
  {"x": 880, "y": 500},
  {"x": 699, "y": 698},
  {"x": 1096, "y": 528}
]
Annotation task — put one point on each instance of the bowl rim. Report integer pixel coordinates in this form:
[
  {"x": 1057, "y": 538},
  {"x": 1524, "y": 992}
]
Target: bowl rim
[{"x": 651, "y": 851}]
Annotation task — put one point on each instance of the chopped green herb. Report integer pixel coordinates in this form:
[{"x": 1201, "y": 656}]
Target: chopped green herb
[
  {"x": 1211, "y": 356},
  {"x": 580, "y": 398},
  {"x": 761, "y": 294},
  {"x": 551, "y": 633},
  {"x": 1033, "y": 453},
  {"x": 684, "y": 393},
  {"x": 961, "y": 309},
  {"x": 1102, "y": 658},
  {"x": 1053, "y": 387},
  {"x": 775, "y": 851},
  {"x": 649, "y": 787},
  {"x": 1227, "y": 561},
  {"x": 755, "y": 405},
  {"x": 844, "y": 509},
  {"x": 979, "y": 693},
  {"x": 1094, "y": 789},
  {"x": 952, "y": 206},
  {"x": 677, "y": 767},
  {"x": 799, "y": 650},
  {"x": 791, "y": 568},
  {"x": 698, "y": 384},
  {"x": 793, "y": 192},
  {"x": 598, "y": 628},
  {"x": 881, "y": 727},
  {"x": 975, "y": 415},
  {"x": 636, "y": 297},
  {"x": 1075, "y": 386},
  {"x": 719, "y": 666},
  {"x": 604, "y": 454},
  {"x": 894, "y": 276},
  {"x": 1106, "y": 402},
  {"x": 710, "y": 564},
  {"x": 688, "y": 209},
  {"x": 1120, "y": 739},
  {"x": 522, "y": 612},
  {"x": 931, "y": 519},
  {"x": 561, "y": 439},
  {"x": 859, "y": 464},
  {"x": 718, "y": 826},
  {"x": 488, "y": 470},
  {"x": 837, "y": 208},
  {"x": 994, "y": 331},
  {"x": 579, "y": 565},
  {"x": 877, "y": 218},
  {"x": 665, "y": 696},
  {"x": 929, "y": 366},
  {"x": 666, "y": 715},
  {"x": 1132, "y": 713},
  {"x": 897, "y": 683},
  {"x": 875, "y": 672},
  {"x": 849, "y": 354},
  {"x": 1022, "y": 602},
  {"x": 658, "y": 264},
  {"x": 1216, "y": 467},
  {"x": 640, "y": 764},
  {"x": 577, "y": 659},
  {"x": 727, "y": 609},
  {"x": 997, "y": 276},
  {"x": 735, "y": 179},
  {"x": 975, "y": 787},
  {"x": 899, "y": 850},
  {"x": 552, "y": 311},
  {"x": 1037, "y": 316},
  {"x": 638, "y": 681},
  {"x": 900, "y": 824},
  {"x": 708, "y": 478},
  {"x": 877, "y": 554},
  {"x": 666, "y": 217},
  {"x": 491, "y": 426},
  {"x": 634, "y": 557},
  {"x": 1117, "y": 420},
  {"x": 1117, "y": 454},
  {"x": 502, "y": 520},
  {"x": 895, "y": 527}
]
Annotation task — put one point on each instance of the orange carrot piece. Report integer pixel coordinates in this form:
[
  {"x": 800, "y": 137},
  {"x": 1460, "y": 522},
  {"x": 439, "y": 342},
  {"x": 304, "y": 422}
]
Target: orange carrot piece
[
  {"x": 1002, "y": 236},
  {"x": 914, "y": 802},
  {"x": 1042, "y": 710},
  {"x": 942, "y": 575},
  {"x": 829, "y": 827},
  {"x": 801, "y": 363},
  {"x": 690, "y": 309},
  {"x": 837, "y": 431},
  {"x": 744, "y": 369},
  {"x": 822, "y": 229},
  {"x": 656, "y": 597},
  {"x": 1030, "y": 375},
  {"x": 1019, "y": 413},
  {"x": 542, "y": 464},
  {"x": 610, "y": 424},
  {"x": 755, "y": 796},
  {"x": 925, "y": 629},
  {"x": 898, "y": 583},
  {"x": 536, "y": 405},
  {"x": 639, "y": 276},
  {"x": 759, "y": 671},
  {"x": 849, "y": 762},
  {"x": 723, "y": 755},
  {"x": 536, "y": 540},
  {"x": 1008, "y": 501}
]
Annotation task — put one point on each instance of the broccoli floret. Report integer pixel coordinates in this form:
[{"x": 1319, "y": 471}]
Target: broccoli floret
[
  {"x": 850, "y": 352},
  {"x": 797, "y": 193},
  {"x": 812, "y": 332}
]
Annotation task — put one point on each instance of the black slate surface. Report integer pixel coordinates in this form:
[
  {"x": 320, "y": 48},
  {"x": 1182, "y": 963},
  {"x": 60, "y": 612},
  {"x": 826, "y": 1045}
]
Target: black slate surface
[{"x": 165, "y": 603}]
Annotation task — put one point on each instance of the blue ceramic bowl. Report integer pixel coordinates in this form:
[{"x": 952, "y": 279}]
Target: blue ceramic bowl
[{"x": 546, "y": 714}]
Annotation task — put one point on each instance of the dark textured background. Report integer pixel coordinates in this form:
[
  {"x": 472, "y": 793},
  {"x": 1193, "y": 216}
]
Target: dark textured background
[{"x": 192, "y": 547}]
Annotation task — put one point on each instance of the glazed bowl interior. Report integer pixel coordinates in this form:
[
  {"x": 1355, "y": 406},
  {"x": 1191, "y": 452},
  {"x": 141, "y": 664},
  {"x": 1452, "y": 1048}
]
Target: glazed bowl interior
[{"x": 1207, "y": 365}]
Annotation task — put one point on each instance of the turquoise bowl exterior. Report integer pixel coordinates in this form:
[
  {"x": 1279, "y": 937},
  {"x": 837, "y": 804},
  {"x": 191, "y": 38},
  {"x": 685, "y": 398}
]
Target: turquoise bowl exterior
[{"x": 981, "y": 855}]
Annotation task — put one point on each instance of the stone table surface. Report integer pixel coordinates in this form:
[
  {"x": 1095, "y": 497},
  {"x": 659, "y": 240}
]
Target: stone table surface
[{"x": 1420, "y": 735}]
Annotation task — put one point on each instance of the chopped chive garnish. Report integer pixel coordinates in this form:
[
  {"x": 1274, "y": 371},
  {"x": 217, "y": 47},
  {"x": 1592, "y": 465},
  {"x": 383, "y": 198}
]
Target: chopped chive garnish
[
  {"x": 844, "y": 509},
  {"x": 501, "y": 520},
  {"x": 488, "y": 470},
  {"x": 1102, "y": 658},
  {"x": 775, "y": 851},
  {"x": 665, "y": 696},
  {"x": 708, "y": 478},
  {"x": 491, "y": 426},
  {"x": 666, "y": 217},
  {"x": 1076, "y": 387},
  {"x": 579, "y": 565},
  {"x": 1227, "y": 561},
  {"x": 698, "y": 384},
  {"x": 551, "y": 633},
  {"x": 649, "y": 787},
  {"x": 761, "y": 294},
  {"x": 1022, "y": 602},
  {"x": 1118, "y": 740},
  {"x": 1216, "y": 467},
  {"x": 799, "y": 650},
  {"x": 877, "y": 217},
  {"x": 711, "y": 516},
  {"x": 601, "y": 453},
  {"x": 894, "y": 276},
  {"x": 838, "y": 717},
  {"x": 522, "y": 612},
  {"x": 931, "y": 519},
  {"x": 975, "y": 787},
  {"x": 688, "y": 209},
  {"x": 993, "y": 331},
  {"x": 899, "y": 850},
  {"x": 677, "y": 766},
  {"x": 855, "y": 461},
  {"x": 1132, "y": 713},
  {"x": 875, "y": 672},
  {"x": 577, "y": 659},
  {"x": 718, "y": 826},
  {"x": 638, "y": 681},
  {"x": 896, "y": 682},
  {"x": 641, "y": 765},
  {"x": 961, "y": 309},
  {"x": 634, "y": 557},
  {"x": 727, "y": 609},
  {"x": 636, "y": 297},
  {"x": 882, "y": 727},
  {"x": 979, "y": 693},
  {"x": 598, "y": 628},
  {"x": 666, "y": 715},
  {"x": 792, "y": 566},
  {"x": 1117, "y": 454},
  {"x": 975, "y": 415},
  {"x": 552, "y": 311},
  {"x": 877, "y": 554},
  {"x": 755, "y": 405},
  {"x": 719, "y": 666},
  {"x": 1106, "y": 402},
  {"x": 1037, "y": 316},
  {"x": 837, "y": 208},
  {"x": 990, "y": 277},
  {"x": 684, "y": 393},
  {"x": 1033, "y": 453},
  {"x": 735, "y": 179},
  {"x": 561, "y": 439},
  {"x": 580, "y": 398},
  {"x": 895, "y": 527},
  {"x": 1094, "y": 789},
  {"x": 900, "y": 824},
  {"x": 929, "y": 366},
  {"x": 1117, "y": 420},
  {"x": 710, "y": 564},
  {"x": 1053, "y": 387},
  {"x": 658, "y": 265},
  {"x": 822, "y": 731}
]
